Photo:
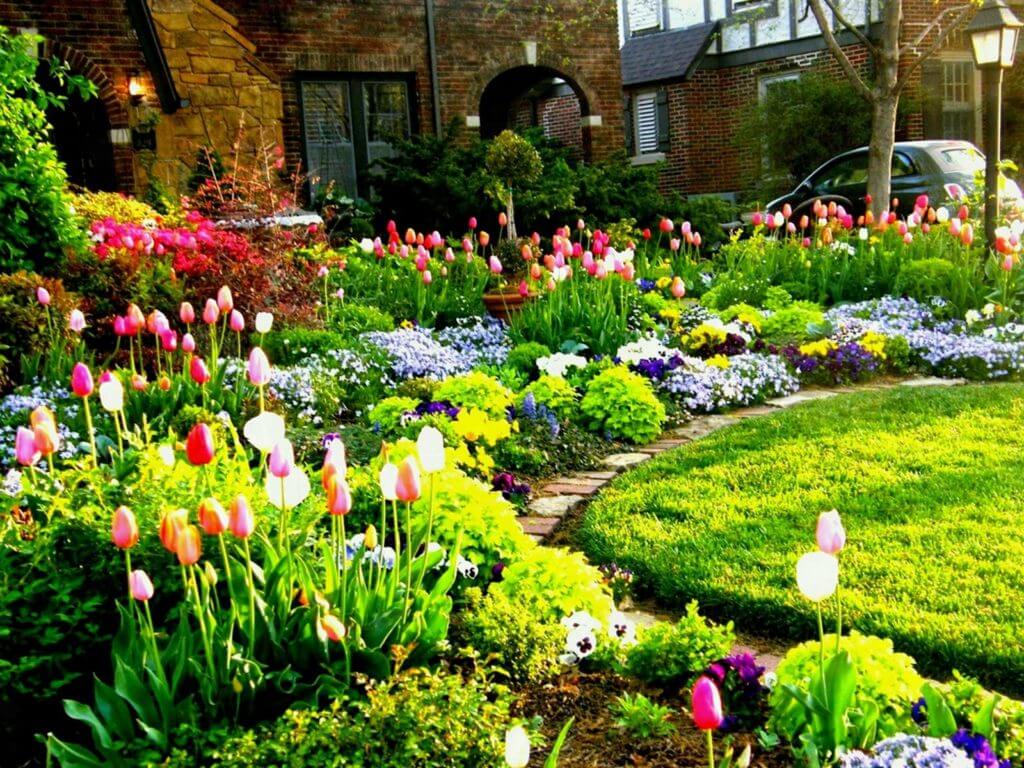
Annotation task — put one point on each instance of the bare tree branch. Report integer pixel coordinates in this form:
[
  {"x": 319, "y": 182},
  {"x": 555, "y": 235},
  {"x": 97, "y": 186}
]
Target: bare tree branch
[
  {"x": 939, "y": 41},
  {"x": 850, "y": 25},
  {"x": 962, "y": 10},
  {"x": 833, "y": 45}
]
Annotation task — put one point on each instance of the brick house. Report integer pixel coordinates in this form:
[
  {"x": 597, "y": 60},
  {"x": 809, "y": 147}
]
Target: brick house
[
  {"x": 332, "y": 82},
  {"x": 691, "y": 67}
]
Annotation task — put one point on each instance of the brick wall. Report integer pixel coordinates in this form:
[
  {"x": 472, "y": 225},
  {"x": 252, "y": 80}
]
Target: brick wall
[{"x": 559, "y": 116}]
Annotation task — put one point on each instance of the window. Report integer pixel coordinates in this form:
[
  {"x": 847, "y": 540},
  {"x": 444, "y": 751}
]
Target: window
[
  {"x": 348, "y": 123},
  {"x": 902, "y": 166},
  {"x": 959, "y": 115},
  {"x": 846, "y": 172},
  {"x": 768, "y": 82},
  {"x": 643, "y": 15},
  {"x": 646, "y": 111}
]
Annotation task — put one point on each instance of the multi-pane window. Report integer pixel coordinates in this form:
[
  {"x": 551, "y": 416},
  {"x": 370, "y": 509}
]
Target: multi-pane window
[
  {"x": 645, "y": 111},
  {"x": 348, "y": 123},
  {"x": 958, "y": 111},
  {"x": 644, "y": 15}
]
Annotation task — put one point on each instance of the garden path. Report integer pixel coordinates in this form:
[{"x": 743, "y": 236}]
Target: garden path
[{"x": 570, "y": 493}]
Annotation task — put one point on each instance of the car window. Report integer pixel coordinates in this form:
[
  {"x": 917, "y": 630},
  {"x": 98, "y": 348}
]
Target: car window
[
  {"x": 902, "y": 166},
  {"x": 850, "y": 170},
  {"x": 965, "y": 160}
]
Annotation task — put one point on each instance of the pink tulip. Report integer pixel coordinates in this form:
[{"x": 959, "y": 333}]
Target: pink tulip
[
  {"x": 81, "y": 380},
  {"x": 198, "y": 370},
  {"x": 524, "y": 289},
  {"x": 169, "y": 340},
  {"x": 494, "y": 265},
  {"x": 427, "y": 277},
  {"x": 225, "y": 303},
  {"x": 236, "y": 321},
  {"x": 830, "y": 534},
  {"x": 921, "y": 202},
  {"x": 186, "y": 313},
  {"x": 449, "y": 255},
  {"x": 188, "y": 343},
  {"x": 241, "y": 522},
  {"x": 76, "y": 321},
  {"x": 211, "y": 312},
  {"x": 339, "y": 496},
  {"x": 43, "y": 296},
  {"x": 25, "y": 450},
  {"x": 124, "y": 531},
  {"x": 666, "y": 225},
  {"x": 757, "y": 219},
  {"x": 322, "y": 272},
  {"x": 140, "y": 585},
  {"x": 120, "y": 326},
  {"x": 706, "y": 703},
  {"x": 258, "y": 368},
  {"x": 678, "y": 287},
  {"x": 407, "y": 488},
  {"x": 282, "y": 459}
]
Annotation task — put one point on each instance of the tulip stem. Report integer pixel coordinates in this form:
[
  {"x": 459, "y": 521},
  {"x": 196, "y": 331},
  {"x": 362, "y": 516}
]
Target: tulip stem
[
  {"x": 128, "y": 570},
  {"x": 282, "y": 522},
  {"x": 208, "y": 646},
  {"x": 711, "y": 747},
  {"x": 821, "y": 653},
  {"x": 152, "y": 641},
  {"x": 252, "y": 598},
  {"x": 92, "y": 433},
  {"x": 839, "y": 618},
  {"x": 344, "y": 579},
  {"x": 231, "y": 596}
]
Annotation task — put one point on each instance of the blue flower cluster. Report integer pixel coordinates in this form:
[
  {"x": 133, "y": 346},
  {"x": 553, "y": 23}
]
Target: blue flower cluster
[
  {"x": 483, "y": 340},
  {"x": 748, "y": 379},
  {"x": 847, "y": 362},
  {"x": 534, "y": 412},
  {"x": 415, "y": 353},
  {"x": 906, "y": 751},
  {"x": 978, "y": 749},
  {"x": 14, "y": 412}
]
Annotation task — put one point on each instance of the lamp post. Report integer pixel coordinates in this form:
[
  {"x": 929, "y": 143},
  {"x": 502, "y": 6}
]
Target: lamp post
[{"x": 993, "y": 32}]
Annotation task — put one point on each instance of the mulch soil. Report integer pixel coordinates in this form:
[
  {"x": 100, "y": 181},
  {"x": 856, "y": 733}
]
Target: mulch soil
[{"x": 595, "y": 741}]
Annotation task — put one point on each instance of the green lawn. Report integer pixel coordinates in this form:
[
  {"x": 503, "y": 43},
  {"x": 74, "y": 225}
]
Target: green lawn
[{"x": 930, "y": 484}]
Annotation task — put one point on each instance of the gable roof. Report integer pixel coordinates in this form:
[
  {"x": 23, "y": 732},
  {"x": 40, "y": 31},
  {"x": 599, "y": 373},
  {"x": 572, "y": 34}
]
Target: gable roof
[{"x": 671, "y": 55}]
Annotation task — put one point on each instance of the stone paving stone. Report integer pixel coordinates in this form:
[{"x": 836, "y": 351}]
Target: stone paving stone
[
  {"x": 536, "y": 539},
  {"x": 701, "y": 427},
  {"x": 583, "y": 489},
  {"x": 623, "y": 460},
  {"x": 598, "y": 475},
  {"x": 539, "y": 526},
  {"x": 754, "y": 410},
  {"x": 554, "y": 506},
  {"x": 932, "y": 381},
  {"x": 800, "y": 397}
]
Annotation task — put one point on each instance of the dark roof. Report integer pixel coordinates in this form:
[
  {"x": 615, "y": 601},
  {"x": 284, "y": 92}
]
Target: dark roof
[{"x": 665, "y": 55}]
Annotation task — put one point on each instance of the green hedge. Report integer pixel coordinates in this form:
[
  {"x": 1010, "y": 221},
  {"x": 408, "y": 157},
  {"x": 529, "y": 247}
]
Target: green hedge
[{"x": 930, "y": 487}]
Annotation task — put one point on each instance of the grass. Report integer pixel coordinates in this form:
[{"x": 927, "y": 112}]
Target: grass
[{"x": 931, "y": 489}]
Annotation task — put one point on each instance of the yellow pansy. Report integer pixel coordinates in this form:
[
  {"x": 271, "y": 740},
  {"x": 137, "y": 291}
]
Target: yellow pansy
[
  {"x": 718, "y": 361},
  {"x": 818, "y": 348}
]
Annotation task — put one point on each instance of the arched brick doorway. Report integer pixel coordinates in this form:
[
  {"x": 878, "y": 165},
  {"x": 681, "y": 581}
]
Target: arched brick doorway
[
  {"x": 80, "y": 130},
  {"x": 536, "y": 96}
]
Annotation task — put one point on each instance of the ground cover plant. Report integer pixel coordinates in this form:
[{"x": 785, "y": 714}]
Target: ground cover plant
[{"x": 928, "y": 478}]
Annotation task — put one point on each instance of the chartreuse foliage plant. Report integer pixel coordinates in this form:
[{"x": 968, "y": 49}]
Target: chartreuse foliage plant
[
  {"x": 624, "y": 405},
  {"x": 923, "y": 475},
  {"x": 670, "y": 654}
]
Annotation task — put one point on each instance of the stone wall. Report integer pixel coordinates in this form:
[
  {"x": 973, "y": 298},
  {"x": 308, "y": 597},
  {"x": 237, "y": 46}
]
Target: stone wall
[{"x": 233, "y": 97}]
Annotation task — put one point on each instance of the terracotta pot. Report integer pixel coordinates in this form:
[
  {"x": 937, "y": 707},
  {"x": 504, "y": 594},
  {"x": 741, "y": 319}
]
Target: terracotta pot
[{"x": 504, "y": 305}]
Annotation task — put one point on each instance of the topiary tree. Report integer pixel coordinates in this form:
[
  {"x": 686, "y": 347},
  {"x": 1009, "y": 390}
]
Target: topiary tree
[
  {"x": 512, "y": 161},
  {"x": 36, "y": 220}
]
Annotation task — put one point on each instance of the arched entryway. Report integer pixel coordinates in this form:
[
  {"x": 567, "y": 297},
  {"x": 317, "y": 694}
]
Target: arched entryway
[
  {"x": 536, "y": 96},
  {"x": 81, "y": 133}
]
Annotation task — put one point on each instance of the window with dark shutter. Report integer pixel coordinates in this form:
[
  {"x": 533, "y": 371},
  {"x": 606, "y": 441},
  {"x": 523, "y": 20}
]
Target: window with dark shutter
[{"x": 645, "y": 108}]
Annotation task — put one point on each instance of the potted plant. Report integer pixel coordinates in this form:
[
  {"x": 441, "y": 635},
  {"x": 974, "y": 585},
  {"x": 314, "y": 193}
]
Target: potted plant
[{"x": 511, "y": 162}]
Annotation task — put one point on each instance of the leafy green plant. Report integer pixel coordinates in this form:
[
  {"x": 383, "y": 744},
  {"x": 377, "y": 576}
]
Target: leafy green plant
[
  {"x": 881, "y": 683},
  {"x": 386, "y": 415},
  {"x": 524, "y": 356},
  {"x": 640, "y": 717},
  {"x": 512, "y": 162},
  {"x": 37, "y": 223},
  {"x": 536, "y": 449},
  {"x": 552, "y": 391},
  {"x": 624, "y": 405},
  {"x": 673, "y": 654},
  {"x": 502, "y": 630},
  {"x": 552, "y": 583},
  {"x": 352, "y": 318},
  {"x": 791, "y": 325},
  {"x": 290, "y": 346},
  {"x": 476, "y": 390}
]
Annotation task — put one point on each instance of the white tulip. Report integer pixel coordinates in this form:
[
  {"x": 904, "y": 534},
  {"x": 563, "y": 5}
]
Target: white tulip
[
  {"x": 388, "y": 481},
  {"x": 264, "y": 431},
  {"x": 817, "y": 576},
  {"x": 166, "y": 453},
  {"x": 517, "y": 747},
  {"x": 430, "y": 446},
  {"x": 288, "y": 492},
  {"x": 366, "y": 245},
  {"x": 264, "y": 322},
  {"x": 112, "y": 395}
]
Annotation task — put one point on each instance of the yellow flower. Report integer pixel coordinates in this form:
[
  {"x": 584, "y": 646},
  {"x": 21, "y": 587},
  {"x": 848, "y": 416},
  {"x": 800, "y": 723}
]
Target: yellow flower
[
  {"x": 473, "y": 424},
  {"x": 718, "y": 361},
  {"x": 406, "y": 324},
  {"x": 663, "y": 282},
  {"x": 706, "y": 335},
  {"x": 874, "y": 342},
  {"x": 818, "y": 348},
  {"x": 669, "y": 314},
  {"x": 750, "y": 318}
]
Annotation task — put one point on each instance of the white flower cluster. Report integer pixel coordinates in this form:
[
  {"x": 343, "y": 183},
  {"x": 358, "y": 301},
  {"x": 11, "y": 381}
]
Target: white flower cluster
[
  {"x": 582, "y": 631},
  {"x": 559, "y": 363},
  {"x": 648, "y": 348}
]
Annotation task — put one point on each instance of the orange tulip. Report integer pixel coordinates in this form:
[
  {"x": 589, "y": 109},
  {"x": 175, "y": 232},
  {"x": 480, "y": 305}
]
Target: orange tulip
[
  {"x": 212, "y": 516},
  {"x": 332, "y": 627},
  {"x": 189, "y": 545},
  {"x": 171, "y": 526},
  {"x": 124, "y": 531}
]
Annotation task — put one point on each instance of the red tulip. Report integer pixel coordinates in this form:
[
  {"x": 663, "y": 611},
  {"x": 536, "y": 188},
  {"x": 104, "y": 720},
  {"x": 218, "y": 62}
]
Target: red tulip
[
  {"x": 199, "y": 446},
  {"x": 472, "y": 222},
  {"x": 81, "y": 380},
  {"x": 666, "y": 225},
  {"x": 124, "y": 531},
  {"x": 212, "y": 516},
  {"x": 407, "y": 487},
  {"x": 706, "y": 703},
  {"x": 198, "y": 370}
]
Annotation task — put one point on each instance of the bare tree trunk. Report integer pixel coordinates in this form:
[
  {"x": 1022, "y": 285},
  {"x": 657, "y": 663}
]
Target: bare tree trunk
[{"x": 883, "y": 137}]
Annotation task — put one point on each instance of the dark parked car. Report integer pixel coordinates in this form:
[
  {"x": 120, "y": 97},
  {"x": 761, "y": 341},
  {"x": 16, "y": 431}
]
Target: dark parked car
[{"x": 918, "y": 167}]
